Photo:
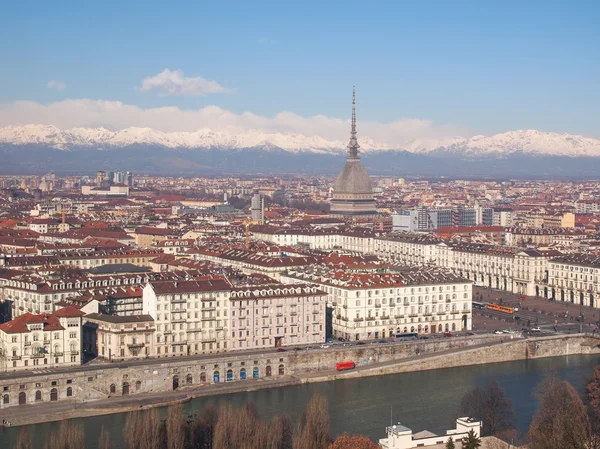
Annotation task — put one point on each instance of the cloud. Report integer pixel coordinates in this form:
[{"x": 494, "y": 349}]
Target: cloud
[
  {"x": 173, "y": 82},
  {"x": 58, "y": 85},
  {"x": 115, "y": 115}
]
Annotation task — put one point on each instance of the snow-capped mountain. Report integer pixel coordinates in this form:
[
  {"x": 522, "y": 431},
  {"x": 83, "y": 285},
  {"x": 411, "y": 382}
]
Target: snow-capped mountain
[{"x": 527, "y": 142}]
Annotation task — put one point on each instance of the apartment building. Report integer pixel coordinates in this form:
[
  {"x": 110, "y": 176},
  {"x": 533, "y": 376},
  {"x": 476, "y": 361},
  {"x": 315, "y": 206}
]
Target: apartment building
[
  {"x": 277, "y": 315},
  {"x": 118, "y": 338},
  {"x": 573, "y": 278},
  {"x": 45, "y": 340},
  {"x": 191, "y": 317},
  {"x": 366, "y": 306}
]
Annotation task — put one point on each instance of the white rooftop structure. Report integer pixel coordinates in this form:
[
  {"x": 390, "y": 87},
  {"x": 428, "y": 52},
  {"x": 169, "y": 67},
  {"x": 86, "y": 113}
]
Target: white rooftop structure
[{"x": 401, "y": 437}]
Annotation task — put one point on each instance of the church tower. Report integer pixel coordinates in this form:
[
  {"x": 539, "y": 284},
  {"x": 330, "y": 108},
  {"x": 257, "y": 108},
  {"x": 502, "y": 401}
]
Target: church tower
[{"x": 352, "y": 191}]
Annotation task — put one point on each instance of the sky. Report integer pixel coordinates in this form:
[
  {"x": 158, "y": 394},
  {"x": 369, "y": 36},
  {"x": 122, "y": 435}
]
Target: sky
[{"x": 424, "y": 69}]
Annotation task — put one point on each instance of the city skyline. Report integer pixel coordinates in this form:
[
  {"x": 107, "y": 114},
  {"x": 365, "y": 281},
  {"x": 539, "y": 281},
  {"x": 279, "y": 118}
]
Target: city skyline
[{"x": 421, "y": 72}]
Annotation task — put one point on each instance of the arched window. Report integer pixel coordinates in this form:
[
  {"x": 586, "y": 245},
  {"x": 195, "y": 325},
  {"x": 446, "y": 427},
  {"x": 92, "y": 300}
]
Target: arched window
[
  {"x": 73, "y": 346},
  {"x": 125, "y": 391},
  {"x": 69, "y": 392},
  {"x": 138, "y": 385},
  {"x": 188, "y": 379},
  {"x": 22, "y": 398},
  {"x": 281, "y": 370},
  {"x": 203, "y": 377},
  {"x": 453, "y": 326},
  {"x": 5, "y": 399},
  {"x": 113, "y": 389},
  {"x": 38, "y": 395},
  {"x": 268, "y": 371},
  {"x": 54, "y": 394}
]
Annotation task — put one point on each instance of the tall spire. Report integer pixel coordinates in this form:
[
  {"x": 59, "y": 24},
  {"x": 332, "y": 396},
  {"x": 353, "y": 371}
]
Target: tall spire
[{"x": 353, "y": 145}]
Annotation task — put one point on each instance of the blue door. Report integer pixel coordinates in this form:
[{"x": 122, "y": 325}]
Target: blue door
[
  {"x": 243, "y": 374},
  {"x": 255, "y": 373},
  {"x": 216, "y": 377},
  {"x": 229, "y": 375}
]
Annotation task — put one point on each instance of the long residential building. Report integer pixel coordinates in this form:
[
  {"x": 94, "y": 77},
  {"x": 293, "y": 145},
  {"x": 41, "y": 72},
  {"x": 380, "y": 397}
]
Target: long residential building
[{"x": 365, "y": 306}]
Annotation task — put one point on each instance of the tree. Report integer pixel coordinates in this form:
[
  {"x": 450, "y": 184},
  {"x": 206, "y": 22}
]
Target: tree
[
  {"x": 203, "y": 428},
  {"x": 491, "y": 406},
  {"x": 150, "y": 433},
  {"x": 471, "y": 441},
  {"x": 313, "y": 429},
  {"x": 69, "y": 436},
  {"x": 175, "y": 427},
  {"x": 133, "y": 430},
  {"x": 24, "y": 440},
  {"x": 561, "y": 420},
  {"x": 104, "y": 440},
  {"x": 593, "y": 400},
  {"x": 346, "y": 441},
  {"x": 450, "y": 444}
]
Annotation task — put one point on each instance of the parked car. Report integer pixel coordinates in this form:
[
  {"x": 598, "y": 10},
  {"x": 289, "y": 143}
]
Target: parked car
[
  {"x": 469, "y": 334},
  {"x": 329, "y": 340},
  {"x": 360, "y": 342},
  {"x": 281, "y": 350},
  {"x": 382, "y": 341},
  {"x": 297, "y": 349},
  {"x": 325, "y": 346},
  {"x": 535, "y": 329},
  {"x": 447, "y": 334},
  {"x": 423, "y": 337},
  {"x": 498, "y": 332}
]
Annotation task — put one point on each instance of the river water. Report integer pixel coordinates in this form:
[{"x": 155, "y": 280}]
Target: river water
[{"x": 422, "y": 400}]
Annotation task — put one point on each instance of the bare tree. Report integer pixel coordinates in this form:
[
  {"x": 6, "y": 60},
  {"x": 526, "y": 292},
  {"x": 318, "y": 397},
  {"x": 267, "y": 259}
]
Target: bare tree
[
  {"x": 491, "y": 406},
  {"x": 222, "y": 433},
  {"x": 313, "y": 431},
  {"x": 150, "y": 433},
  {"x": 561, "y": 420},
  {"x": 69, "y": 436},
  {"x": 104, "y": 440},
  {"x": 133, "y": 430},
  {"x": 24, "y": 440},
  {"x": 204, "y": 428},
  {"x": 593, "y": 400},
  {"x": 175, "y": 427}
]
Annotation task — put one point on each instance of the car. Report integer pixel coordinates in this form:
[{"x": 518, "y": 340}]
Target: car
[
  {"x": 360, "y": 342},
  {"x": 423, "y": 337},
  {"x": 345, "y": 344},
  {"x": 325, "y": 346},
  {"x": 382, "y": 341},
  {"x": 329, "y": 340},
  {"x": 469, "y": 334},
  {"x": 281, "y": 350},
  {"x": 447, "y": 334},
  {"x": 535, "y": 329},
  {"x": 497, "y": 332},
  {"x": 506, "y": 331},
  {"x": 297, "y": 349}
]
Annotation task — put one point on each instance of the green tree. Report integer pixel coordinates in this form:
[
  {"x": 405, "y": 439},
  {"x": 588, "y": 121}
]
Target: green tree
[
  {"x": 450, "y": 444},
  {"x": 471, "y": 441}
]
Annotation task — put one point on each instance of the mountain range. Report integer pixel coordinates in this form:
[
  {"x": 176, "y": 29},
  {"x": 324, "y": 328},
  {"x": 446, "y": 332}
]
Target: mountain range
[{"x": 523, "y": 153}]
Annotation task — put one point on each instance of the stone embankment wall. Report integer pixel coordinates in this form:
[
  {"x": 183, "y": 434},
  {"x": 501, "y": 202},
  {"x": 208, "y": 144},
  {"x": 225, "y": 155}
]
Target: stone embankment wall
[
  {"x": 507, "y": 351},
  {"x": 163, "y": 375}
]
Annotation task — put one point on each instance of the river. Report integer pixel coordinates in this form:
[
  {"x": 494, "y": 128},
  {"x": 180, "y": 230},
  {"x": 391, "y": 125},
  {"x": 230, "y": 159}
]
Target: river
[{"x": 421, "y": 400}]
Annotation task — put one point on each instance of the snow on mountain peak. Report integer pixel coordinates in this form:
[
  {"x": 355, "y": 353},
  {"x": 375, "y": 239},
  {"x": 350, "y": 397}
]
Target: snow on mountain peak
[{"x": 528, "y": 141}]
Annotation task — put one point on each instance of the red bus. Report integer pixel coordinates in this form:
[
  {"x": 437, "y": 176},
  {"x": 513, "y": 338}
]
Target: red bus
[{"x": 344, "y": 366}]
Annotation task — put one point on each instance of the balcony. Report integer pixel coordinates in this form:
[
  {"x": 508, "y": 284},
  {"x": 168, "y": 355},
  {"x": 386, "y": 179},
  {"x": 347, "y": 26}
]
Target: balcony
[
  {"x": 209, "y": 340},
  {"x": 358, "y": 320},
  {"x": 179, "y": 343},
  {"x": 398, "y": 316},
  {"x": 74, "y": 352},
  {"x": 38, "y": 356},
  {"x": 413, "y": 315},
  {"x": 27, "y": 343},
  {"x": 344, "y": 318},
  {"x": 16, "y": 357},
  {"x": 178, "y": 301},
  {"x": 208, "y": 318},
  {"x": 135, "y": 345},
  {"x": 209, "y": 309},
  {"x": 57, "y": 354},
  {"x": 377, "y": 306},
  {"x": 385, "y": 317},
  {"x": 441, "y": 313},
  {"x": 370, "y": 318}
]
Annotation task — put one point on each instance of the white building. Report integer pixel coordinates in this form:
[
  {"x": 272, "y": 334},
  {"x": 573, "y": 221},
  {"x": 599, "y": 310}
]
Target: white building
[
  {"x": 191, "y": 317},
  {"x": 401, "y": 437},
  {"x": 368, "y": 306},
  {"x": 45, "y": 340},
  {"x": 267, "y": 316}
]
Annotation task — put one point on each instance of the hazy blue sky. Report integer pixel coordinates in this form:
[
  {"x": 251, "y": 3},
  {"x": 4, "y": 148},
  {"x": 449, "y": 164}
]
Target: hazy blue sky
[{"x": 477, "y": 66}]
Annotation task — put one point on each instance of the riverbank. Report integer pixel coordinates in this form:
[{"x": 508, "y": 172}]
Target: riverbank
[{"x": 500, "y": 350}]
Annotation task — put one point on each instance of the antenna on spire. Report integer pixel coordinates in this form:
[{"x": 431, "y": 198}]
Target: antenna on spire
[{"x": 353, "y": 145}]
